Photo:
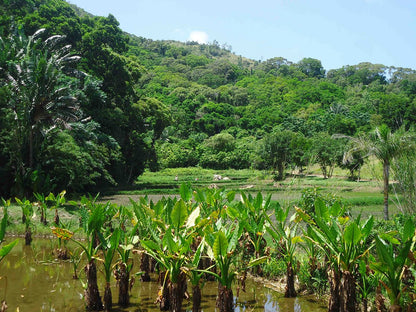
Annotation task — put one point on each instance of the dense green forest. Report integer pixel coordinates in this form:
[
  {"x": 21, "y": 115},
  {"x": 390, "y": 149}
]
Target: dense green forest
[{"x": 84, "y": 105}]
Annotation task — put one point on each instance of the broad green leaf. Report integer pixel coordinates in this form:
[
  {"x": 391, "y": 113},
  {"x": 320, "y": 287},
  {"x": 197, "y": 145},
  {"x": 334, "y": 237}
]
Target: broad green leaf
[
  {"x": 335, "y": 209},
  {"x": 150, "y": 246},
  {"x": 244, "y": 198},
  {"x": 7, "y": 248},
  {"x": 257, "y": 261},
  {"x": 168, "y": 242},
  {"x": 321, "y": 210},
  {"x": 186, "y": 192},
  {"x": 352, "y": 234},
  {"x": 259, "y": 201},
  {"x": 302, "y": 215},
  {"x": 384, "y": 253},
  {"x": 230, "y": 196},
  {"x": 280, "y": 214},
  {"x": 237, "y": 231},
  {"x": 378, "y": 267},
  {"x": 220, "y": 245},
  {"x": 179, "y": 214},
  {"x": 192, "y": 217},
  {"x": 266, "y": 204},
  {"x": 368, "y": 226},
  {"x": 408, "y": 230},
  {"x": 273, "y": 233},
  {"x": 197, "y": 256},
  {"x": 158, "y": 208},
  {"x": 114, "y": 239},
  {"x": 390, "y": 238},
  {"x": 233, "y": 213}
]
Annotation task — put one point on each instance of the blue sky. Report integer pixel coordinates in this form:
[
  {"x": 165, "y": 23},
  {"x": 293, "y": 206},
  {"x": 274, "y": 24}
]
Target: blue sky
[{"x": 337, "y": 32}]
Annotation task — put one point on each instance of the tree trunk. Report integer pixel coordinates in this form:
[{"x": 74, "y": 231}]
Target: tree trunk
[
  {"x": 395, "y": 308},
  {"x": 123, "y": 285},
  {"x": 176, "y": 293},
  {"x": 386, "y": 173},
  {"x": 349, "y": 299},
  {"x": 43, "y": 217},
  {"x": 163, "y": 298},
  {"x": 290, "y": 282},
  {"x": 56, "y": 219},
  {"x": 324, "y": 172},
  {"x": 334, "y": 304},
  {"x": 365, "y": 305},
  {"x": 92, "y": 295},
  {"x": 196, "y": 298},
  {"x": 280, "y": 171},
  {"x": 108, "y": 298},
  {"x": 380, "y": 305},
  {"x": 28, "y": 236},
  {"x": 31, "y": 147},
  {"x": 62, "y": 253},
  {"x": 145, "y": 267},
  {"x": 225, "y": 299}
]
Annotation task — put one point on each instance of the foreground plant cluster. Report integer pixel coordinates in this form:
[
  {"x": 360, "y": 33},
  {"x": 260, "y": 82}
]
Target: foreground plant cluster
[{"x": 214, "y": 234}]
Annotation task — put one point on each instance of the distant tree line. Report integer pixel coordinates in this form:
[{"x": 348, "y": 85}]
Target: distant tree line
[{"x": 95, "y": 106}]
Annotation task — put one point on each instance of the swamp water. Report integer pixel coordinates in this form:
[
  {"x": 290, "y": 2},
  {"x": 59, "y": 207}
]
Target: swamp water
[{"x": 33, "y": 280}]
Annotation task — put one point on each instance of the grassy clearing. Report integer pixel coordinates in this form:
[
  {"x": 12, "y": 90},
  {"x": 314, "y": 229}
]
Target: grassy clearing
[{"x": 364, "y": 197}]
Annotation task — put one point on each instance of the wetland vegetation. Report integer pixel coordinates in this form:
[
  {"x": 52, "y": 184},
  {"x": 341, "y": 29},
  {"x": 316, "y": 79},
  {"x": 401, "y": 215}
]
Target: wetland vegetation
[{"x": 212, "y": 171}]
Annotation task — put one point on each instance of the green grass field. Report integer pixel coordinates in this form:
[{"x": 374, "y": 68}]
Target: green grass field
[{"x": 364, "y": 197}]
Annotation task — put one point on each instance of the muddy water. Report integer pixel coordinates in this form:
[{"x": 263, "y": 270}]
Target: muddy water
[{"x": 33, "y": 280}]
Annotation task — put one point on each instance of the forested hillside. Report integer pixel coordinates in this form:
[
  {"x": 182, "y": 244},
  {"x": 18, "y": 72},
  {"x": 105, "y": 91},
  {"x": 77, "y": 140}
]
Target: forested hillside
[{"x": 97, "y": 106}]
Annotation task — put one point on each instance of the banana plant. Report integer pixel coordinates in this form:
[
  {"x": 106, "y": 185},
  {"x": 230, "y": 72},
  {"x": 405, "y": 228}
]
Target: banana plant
[
  {"x": 57, "y": 202},
  {"x": 170, "y": 245},
  {"x": 27, "y": 214},
  {"x": 110, "y": 246},
  {"x": 75, "y": 257},
  {"x": 141, "y": 218},
  {"x": 393, "y": 253},
  {"x": 253, "y": 217},
  {"x": 368, "y": 280},
  {"x": 93, "y": 217},
  {"x": 196, "y": 276},
  {"x": 213, "y": 200},
  {"x": 224, "y": 238},
  {"x": 128, "y": 240},
  {"x": 344, "y": 242},
  {"x": 284, "y": 233},
  {"x": 42, "y": 207}
]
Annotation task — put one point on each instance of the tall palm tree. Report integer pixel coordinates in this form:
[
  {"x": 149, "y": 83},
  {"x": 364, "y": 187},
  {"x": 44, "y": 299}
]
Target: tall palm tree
[
  {"x": 385, "y": 145},
  {"x": 37, "y": 74}
]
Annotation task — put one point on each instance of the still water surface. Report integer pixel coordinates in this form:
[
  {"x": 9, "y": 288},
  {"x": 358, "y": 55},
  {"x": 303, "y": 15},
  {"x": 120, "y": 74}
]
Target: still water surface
[{"x": 33, "y": 280}]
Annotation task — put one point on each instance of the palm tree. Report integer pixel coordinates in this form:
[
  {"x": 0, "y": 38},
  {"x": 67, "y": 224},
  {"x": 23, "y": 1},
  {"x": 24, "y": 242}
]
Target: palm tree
[
  {"x": 385, "y": 145},
  {"x": 37, "y": 74}
]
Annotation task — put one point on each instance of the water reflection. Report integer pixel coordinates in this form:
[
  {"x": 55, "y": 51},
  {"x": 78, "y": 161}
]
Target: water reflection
[{"x": 33, "y": 280}]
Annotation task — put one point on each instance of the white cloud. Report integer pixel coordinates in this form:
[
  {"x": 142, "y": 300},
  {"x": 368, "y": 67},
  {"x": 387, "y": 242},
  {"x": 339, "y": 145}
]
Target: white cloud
[
  {"x": 373, "y": 1},
  {"x": 198, "y": 36}
]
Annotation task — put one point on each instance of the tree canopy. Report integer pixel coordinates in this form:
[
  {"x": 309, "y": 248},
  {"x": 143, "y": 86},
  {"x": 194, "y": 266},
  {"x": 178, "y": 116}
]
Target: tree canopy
[{"x": 128, "y": 103}]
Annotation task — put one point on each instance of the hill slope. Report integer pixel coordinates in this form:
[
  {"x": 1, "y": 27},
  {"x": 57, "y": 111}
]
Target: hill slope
[{"x": 152, "y": 104}]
